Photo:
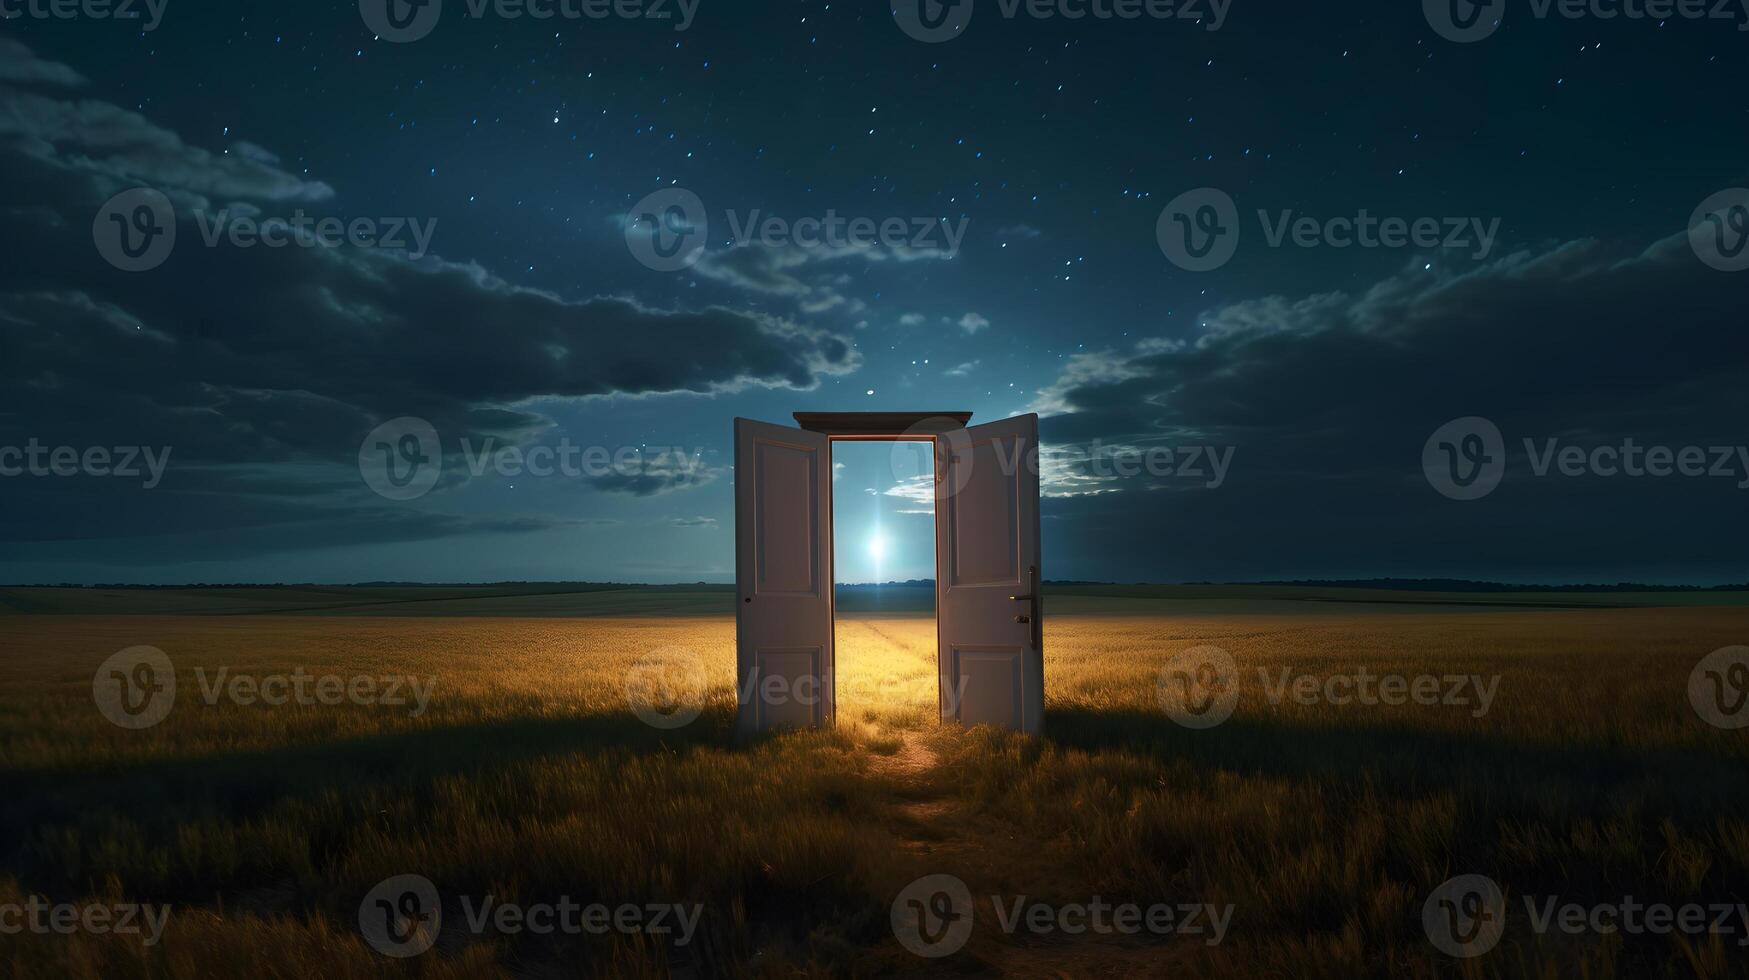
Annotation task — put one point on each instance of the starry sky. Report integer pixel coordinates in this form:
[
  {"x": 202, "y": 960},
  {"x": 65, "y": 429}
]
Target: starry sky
[{"x": 1050, "y": 152}]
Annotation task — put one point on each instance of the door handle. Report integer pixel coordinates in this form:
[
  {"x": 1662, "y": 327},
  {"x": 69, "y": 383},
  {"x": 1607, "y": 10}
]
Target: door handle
[{"x": 1022, "y": 598}]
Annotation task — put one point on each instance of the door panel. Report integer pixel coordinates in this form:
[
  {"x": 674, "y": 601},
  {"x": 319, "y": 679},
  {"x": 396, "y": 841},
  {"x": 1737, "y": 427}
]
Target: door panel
[
  {"x": 783, "y": 607},
  {"x": 987, "y": 560},
  {"x": 993, "y": 691},
  {"x": 789, "y": 694}
]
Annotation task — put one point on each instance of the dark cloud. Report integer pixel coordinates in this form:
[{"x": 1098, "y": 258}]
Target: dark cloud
[
  {"x": 1328, "y": 400},
  {"x": 655, "y": 475},
  {"x": 264, "y": 367}
]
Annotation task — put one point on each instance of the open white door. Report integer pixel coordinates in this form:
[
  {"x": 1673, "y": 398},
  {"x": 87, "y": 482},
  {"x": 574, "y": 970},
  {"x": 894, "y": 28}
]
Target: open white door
[
  {"x": 987, "y": 575},
  {"x": 783, "y": 577}
]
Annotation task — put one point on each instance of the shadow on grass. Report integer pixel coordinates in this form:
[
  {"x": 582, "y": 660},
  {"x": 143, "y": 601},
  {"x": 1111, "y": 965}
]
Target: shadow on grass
[
  {"x": 1401, "y": 761},
  {"x": 158, "y": 794}
]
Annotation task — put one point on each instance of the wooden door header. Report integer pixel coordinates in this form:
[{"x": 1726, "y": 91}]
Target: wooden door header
[{"x": 882, "y": 425}]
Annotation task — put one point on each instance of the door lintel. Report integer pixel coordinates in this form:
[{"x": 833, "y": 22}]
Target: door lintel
[{"x": 882, "y": 425}]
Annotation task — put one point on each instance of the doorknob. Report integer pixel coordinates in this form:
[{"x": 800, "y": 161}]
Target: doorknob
[
  {"x": 1022, "y": 619},
  {"x": 1021, "y": 598}
]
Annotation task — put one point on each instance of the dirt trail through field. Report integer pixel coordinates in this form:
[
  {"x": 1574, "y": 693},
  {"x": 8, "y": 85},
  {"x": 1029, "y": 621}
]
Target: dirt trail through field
[{"x": 937, "y": 830}]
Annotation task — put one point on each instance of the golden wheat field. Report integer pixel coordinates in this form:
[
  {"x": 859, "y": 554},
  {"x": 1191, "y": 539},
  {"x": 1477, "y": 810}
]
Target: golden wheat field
[{"x": 525, "y": 775}]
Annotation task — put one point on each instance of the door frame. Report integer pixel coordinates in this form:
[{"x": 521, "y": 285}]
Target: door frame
[{"x": 886, "y": 427}]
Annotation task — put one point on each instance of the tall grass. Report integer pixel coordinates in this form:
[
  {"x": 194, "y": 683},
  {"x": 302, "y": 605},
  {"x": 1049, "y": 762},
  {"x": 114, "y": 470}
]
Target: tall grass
[{"x": 528, "y": 778}]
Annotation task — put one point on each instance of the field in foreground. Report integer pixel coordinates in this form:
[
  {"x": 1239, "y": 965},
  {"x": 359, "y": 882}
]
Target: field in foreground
[{"x": 527, "y": 777}]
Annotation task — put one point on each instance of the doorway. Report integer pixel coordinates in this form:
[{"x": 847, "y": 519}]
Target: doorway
[
  {"x": 883, "y": 575},
  {"x": 989, "y": 631}
]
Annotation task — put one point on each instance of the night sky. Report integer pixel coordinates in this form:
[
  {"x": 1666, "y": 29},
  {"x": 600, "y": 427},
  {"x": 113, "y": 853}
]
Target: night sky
[{"x": 529, "y": 148}]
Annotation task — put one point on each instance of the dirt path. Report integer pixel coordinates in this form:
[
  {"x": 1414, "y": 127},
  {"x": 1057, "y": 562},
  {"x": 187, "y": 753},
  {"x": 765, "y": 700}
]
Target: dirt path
[{"x": 935, "y": 833}]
